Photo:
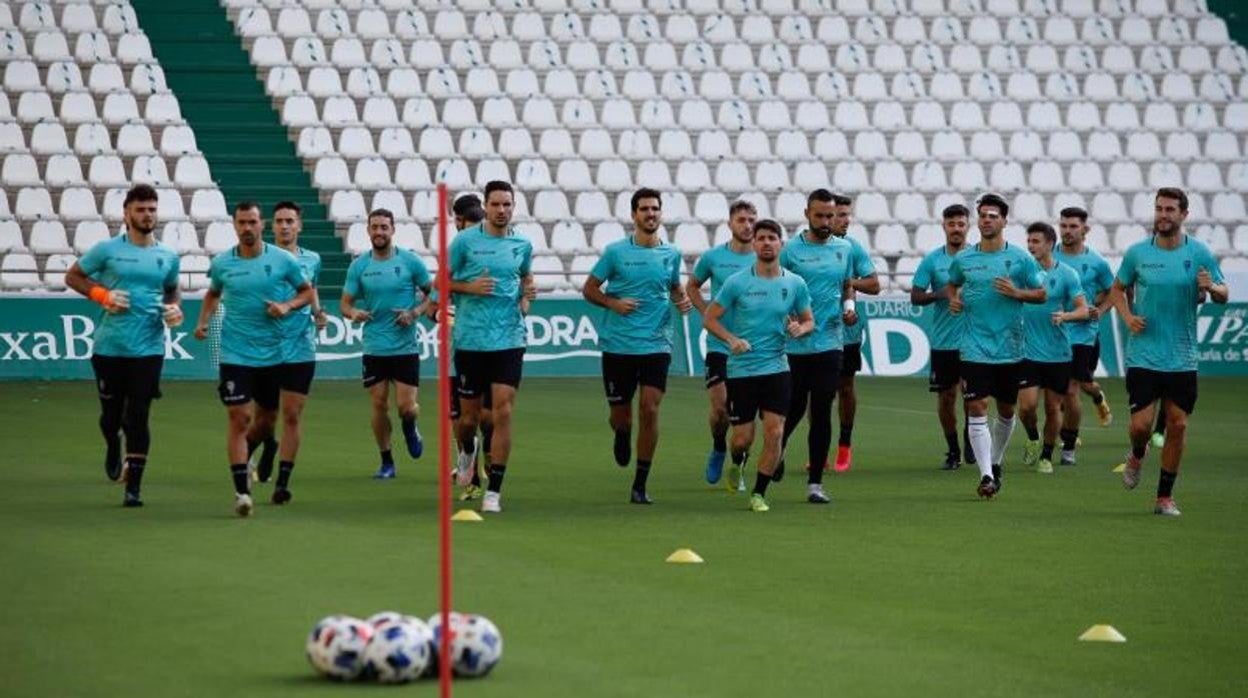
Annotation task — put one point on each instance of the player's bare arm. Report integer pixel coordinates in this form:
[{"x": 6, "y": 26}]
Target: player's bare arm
[{"x": 592, "y": 291}]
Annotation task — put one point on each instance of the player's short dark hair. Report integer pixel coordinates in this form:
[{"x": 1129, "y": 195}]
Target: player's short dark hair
[
  {"x": 247, "y": 206},
  {"x": 770, "y": 226},
  {"x": 994, "y": 201},
  {"x": 823, "y": 196},
  {"x": 140, "y": 192},
  {"x": 741, "y": 205},
  {"x": 1074, "y": 212},
  {"x": 645, "y": 193},
  {"x": 955, "y": 211},
  {"x": 841, "y": 200},
  {"x": 497, "y": 185},
  {"x": 381, "y": 213},
  {"x": 469, "y": 208},
  {"x": 1174, "y": 193},
  {"x": 289, "y": 206},
  {"x": 1044, "y": 229}
]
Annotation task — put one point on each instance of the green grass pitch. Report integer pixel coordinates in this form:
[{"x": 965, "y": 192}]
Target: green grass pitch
[{"x": 905, "y": 586}]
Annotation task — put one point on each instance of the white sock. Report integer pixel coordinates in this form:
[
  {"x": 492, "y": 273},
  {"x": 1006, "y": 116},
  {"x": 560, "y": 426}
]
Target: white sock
[
  {"x": 1001, "y": 430},
  {"x": 981, "y": 443}
]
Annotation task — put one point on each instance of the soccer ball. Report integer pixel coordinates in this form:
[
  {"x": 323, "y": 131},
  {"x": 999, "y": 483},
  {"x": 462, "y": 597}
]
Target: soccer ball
[
  {"x": 383, "y": 618},
  {"x": 477, "y": 644},
  {"x": 335, "y": 647},
  {"x": 399, "y": 651}
]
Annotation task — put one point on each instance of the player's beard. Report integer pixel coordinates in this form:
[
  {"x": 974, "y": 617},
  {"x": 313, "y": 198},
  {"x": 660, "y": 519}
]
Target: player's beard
[
  {"x": 382, "y": 246},
  {"x": 248, "y": 239},
  {"x": 822, "y": 233},
  {"x": 1166, "y": 230},
  {"x": 139, "y": 226}
]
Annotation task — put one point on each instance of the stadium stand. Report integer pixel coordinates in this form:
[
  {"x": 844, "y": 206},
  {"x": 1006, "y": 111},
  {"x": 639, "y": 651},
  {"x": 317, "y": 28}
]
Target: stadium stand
[{"x": 908, "y": 105}]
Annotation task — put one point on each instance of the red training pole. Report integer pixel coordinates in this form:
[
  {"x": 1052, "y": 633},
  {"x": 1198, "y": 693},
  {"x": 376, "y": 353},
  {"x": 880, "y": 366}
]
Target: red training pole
[{"x": 444, "y": 443}]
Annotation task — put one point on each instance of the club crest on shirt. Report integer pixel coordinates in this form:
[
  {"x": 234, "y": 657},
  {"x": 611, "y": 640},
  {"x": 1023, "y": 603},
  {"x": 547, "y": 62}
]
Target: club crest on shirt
[
  {"x": 268, "y": 270},
  {"x": 160, "y": 262},
  {"x": 1052, "y": 283},
  {"x": 784, "y": 294},
  {"x": 1009, "y": 263},
  {"x": 397, "y": 271},
  {"x": 1187, "y": 265}
]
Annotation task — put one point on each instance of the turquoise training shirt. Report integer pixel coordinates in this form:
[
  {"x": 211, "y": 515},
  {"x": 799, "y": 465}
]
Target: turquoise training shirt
[
  {"x": 647, "y": 275},
  {"x": 824, "y": 267},
  {"x": 933, "y": 275},
  {"x": 1096, "y": 277},
  {"x": 493, "y": 322},
  {"x": 861, "y": 267},
  {"x": 1042, "y": 340},
  {"x": 1166, "y": 297},
  {"x": 299, "y": 328},
  {"x": 146, "y": 273},
  {"x": 718, "y": 264},
  {"x": 249, "y": 337},
  {"x": 760, "y": 308},
  {"x": 382, "y": 286},
  {"x": 993, "y": 329}
]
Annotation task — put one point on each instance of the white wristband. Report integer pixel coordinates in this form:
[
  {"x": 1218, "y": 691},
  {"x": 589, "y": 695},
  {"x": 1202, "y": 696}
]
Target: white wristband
[{"x": 848, "y": 305}]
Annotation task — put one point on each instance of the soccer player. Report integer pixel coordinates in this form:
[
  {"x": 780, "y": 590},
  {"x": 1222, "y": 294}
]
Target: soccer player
[
  {"x": 468, "y": 212},
  {"x": 134, "y": 278},
  {"x": 1168, "y": 274},
  {"x": 865, "y": 281},
  {"x": 755, "y": 314},
  {"x": 260, "y": 285},
  {"x": 1085, "y": 343},
  {"x": 989, "y": 283},
  {"x": 930, "y": 280},
  {"x": 642, "y": 275},
  {"x": 1046, "y": 347},
  {"x": 491, "y": 285},
  {"x": 300, "y": 330},
  {"x": 826, "y": 263},
  {"x": 381, "y": 292},
  {"x": 717, "y": 265}
]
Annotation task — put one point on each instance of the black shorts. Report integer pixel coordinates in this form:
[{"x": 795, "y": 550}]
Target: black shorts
[
  {"x": 815, "y": 372},
  {"x": 753, "y": 394},
  {"x": 621, "y": 374},
  {"x": 716, "y": 368},
  {"x": 487, "y": 399},
  {"x": 263, "y": 384},
  {"x": 945, "y": 370},
  {"x": 1053, "y": 376},
  {"x": 476, "y": 371},
  {"x": 1083, "y": 363},
  {"x": 131, "y": 377},
  {"x": 1146, "y": 386},
  {"x": 400, "y": 368},
  {"x": 851, "y": 360},
  {"x": 997, "y": 381}
]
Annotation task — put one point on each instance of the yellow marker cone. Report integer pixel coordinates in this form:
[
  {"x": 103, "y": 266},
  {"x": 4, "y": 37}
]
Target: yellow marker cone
[
  {"x": 466, "y": 515},
  {"x": 1102, "y": 633},
  {"x": 1120, "y": 467},
  {"x": 685, "y": 555}
]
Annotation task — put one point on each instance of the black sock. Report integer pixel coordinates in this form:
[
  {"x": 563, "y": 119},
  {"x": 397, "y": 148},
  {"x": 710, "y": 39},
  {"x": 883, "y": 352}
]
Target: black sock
[
  {"x": 951, "y": 440},
  {"x": 283, "y": 473},
  {"x": 1165, "y": 483},
  {"x": 996, "y": 473},
  {"x": 134, "y": 473},
  {"x": 409, "y": 424},
  {"x": 252, "y": 446},
  {"x": 242, "y": 479},
  {"x": 1139, "y": 451},
  {"x": 1068, "y": 438},
  {"x": 387, "y": 458},
  {"x": 847, "y": 434},
  {"x": 496, "y": 473},
  {"x": 760, "y": 484},
  {"x": 1046, "y": 453},
  {"x": 719, "y": 442},
  {"x": 1033, "y": 432},
  {"x": 476, "y": 477},
  {"x": 639, "y": 477},
  {"x": 487, "y": 437},
  {"x": 1160, "y": 427},
  {"x": 815, "y": 475},
  {"x": 738, "y": 457},
  {"x": 1098, "y": 397}
]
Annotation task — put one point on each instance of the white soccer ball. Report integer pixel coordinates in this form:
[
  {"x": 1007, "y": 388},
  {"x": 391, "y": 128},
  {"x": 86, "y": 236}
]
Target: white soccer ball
[
  {"x": 383, "y": 618},
  {"x": 476, "y": 647},
  {"x": 399, "y": 651},
  {"x": 335, "y": 647}
]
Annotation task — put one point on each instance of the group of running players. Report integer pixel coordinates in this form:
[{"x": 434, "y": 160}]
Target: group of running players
[{"x": 784, "y": 337}]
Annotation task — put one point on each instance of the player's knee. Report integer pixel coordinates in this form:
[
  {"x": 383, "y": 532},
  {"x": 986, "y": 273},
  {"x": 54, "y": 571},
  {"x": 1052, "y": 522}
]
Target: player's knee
[
  {"x": 741, "y": 442},
  {"x": 1176, "y": 424},
  {"x": 649, "y": 411},
  {"x": 240, "y": 420}
]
